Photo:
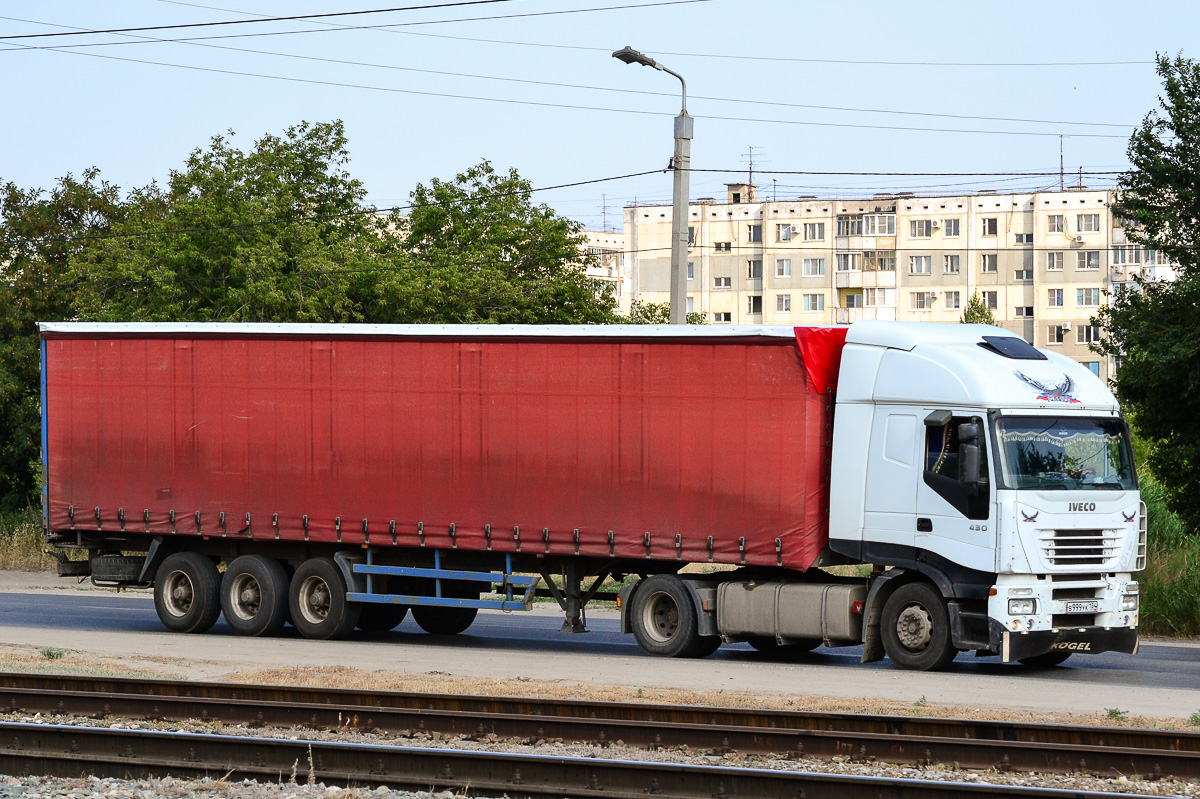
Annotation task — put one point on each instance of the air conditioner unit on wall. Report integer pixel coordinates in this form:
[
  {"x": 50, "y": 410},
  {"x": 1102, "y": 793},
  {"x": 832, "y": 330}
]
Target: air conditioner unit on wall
[
  {"x": 1065, "y": 325},
  {"x": 936, "y": 224},
  {"x": 1079, "y": 239}
]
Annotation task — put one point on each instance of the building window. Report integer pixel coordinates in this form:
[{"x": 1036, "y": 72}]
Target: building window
[
  {"x": 1023, "y": 311},
  {"x": 722, "y": 282},
  {"x": 814, "y": 302},
  {"x": 920, "y": 228},
  {"x": 783, "y": 267},
  {"x": 691, "y": 235},
  {"x": 879, "y": 225},
  {"x": 920, "y": 300},
  {"x": 1023, "y": 274},
  {"x": 990, "y": 226},
  {"x": 814, "y": 231},
  {"x": 1087, "y": 298},
  {"x": 754, "y": 234},
  {"x": 1024, "y": 238},
  {"x": 849, "y": 225},
  {"x": 813, "y": 267},
  {"x": 691, "y": 304},
  {"x": 873, "y": 298},
  {"x": 722, "y": 317},
  {"x": 919, "y": 264},
  {"x": 882, "y": 260},
  {"x": 783, "y": 232},
  {"x": 1087, "y": 223},
  {"x": 1054, "y": 223},
  {"x": 1087, "y": 259},
  {"x": 1127, "y": 254},
  {"x": 991, "y": 299},
  {"x": 1156, "y": 258},
  {"x": 953, "y": 300},
  {"x": 723, "y": 246},
  {"x": 950, "y": 264},
  {"x": 754, "y": 304},
  {"x": 1055, "y": 334},
  {"x": 691, "y": 270},
  {"x": 1093, "y": 367},
  {"x": 854, "y": 300},
  {"x": 754, "y": 269},
  {"x": 950, "y": 228},
  {"x": 1087, "y": 334},
  {"x": 1054, "y": 261},
  {"x": 1054, "y": 298},
  {"x": 783, "y": 303},
  {"x": 849, "y": 262},
  {"x": 988, "y": 262}
]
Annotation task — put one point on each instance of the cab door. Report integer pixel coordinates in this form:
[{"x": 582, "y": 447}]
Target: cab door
[
  {"x": 893, "y": 469},
  {"x": 955, "y": 520}
]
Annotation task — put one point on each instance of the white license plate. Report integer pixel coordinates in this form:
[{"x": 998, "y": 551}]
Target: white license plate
[{"x": 1083, "y": 607}]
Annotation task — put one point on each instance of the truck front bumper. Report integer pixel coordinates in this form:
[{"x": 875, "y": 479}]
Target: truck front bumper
[{"x": 1084, "y": 640}]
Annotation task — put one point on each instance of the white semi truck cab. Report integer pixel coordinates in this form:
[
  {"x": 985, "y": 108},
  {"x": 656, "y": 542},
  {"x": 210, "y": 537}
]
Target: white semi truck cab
[{"x": 992, "y": 486}]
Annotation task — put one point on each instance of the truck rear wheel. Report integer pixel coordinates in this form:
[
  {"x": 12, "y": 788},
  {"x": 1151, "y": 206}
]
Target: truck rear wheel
[
  {"x": 254, "y": 595},
  {"x": 187, "y": 593},
  {"x": 664, "y": 620},
  {"x": 317, "y": 600},
  {"x": 378, "y": 618},
  {"x": 916, "y": 628},
  {"x": 443, "y": 621}
]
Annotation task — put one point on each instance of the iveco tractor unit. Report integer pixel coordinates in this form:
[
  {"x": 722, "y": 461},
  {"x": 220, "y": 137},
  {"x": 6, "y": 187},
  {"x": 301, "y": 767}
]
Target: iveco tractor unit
[{"x": 916, "y": 489}]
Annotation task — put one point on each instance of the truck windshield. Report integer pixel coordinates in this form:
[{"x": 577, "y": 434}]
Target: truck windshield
[{"x": 1054, "y": 452}]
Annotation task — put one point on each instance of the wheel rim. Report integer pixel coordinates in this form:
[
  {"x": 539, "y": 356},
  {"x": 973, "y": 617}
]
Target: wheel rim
[
  {"x": 178, "y": 594},
  {"x": 245, "y": 595},
  {"x": 660, "y": 617},
  {"x": 914, "y": 627},
  {"x": 315, "y": 600}
]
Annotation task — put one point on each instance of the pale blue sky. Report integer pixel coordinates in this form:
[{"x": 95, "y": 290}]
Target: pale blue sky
[{"x": 67, "y": 109}]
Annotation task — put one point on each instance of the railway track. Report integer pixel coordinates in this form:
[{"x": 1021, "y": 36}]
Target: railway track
[
  {"x": 69, "y": 751},
  {"x": 1110, "y": 752}
]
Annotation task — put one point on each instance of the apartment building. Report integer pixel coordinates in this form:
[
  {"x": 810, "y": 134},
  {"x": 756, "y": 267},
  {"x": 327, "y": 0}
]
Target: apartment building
[
  {"x": 609, "y": 249},
  {"x": 1044, "y": 262}
]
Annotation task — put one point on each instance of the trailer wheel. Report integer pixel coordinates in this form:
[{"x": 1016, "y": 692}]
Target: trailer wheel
[
  {"x": 377, "y": 618},
  {"x": 443, "y": 621},
  {"x": 664, "y": 622},
  {"x": 254, "y": 595},
  {"x": 1045, "y": 661},
  {"x": 187, "y": 593},
  {"x": 916, "y": 628},
  {"x": 317, "y": 600}
]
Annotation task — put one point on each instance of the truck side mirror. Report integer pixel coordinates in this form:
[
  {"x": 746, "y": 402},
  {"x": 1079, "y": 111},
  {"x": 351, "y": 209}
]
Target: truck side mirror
[
  {"x": 969, "y": 432},
  {"x": 968, "y": 465}
]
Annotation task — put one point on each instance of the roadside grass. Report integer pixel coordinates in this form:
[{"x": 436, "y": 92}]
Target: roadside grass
[
  {"x": 1170, "y": 585},
  {"x": 21, "y": 542}
]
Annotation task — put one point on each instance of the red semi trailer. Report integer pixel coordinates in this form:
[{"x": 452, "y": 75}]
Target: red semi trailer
[{"x": 347, "y": 474}]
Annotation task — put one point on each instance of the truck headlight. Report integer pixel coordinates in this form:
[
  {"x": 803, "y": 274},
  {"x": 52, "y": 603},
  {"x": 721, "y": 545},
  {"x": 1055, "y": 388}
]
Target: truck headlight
[
  {"x": 1022, "y": 607},
  {"x": 1129, "y": 602}
]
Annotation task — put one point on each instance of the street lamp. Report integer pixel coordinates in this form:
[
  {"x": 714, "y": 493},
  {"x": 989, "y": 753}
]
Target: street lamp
[{"x": 681, "y": 165}]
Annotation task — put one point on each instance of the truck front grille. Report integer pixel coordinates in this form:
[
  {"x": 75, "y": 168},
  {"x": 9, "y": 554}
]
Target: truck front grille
[{"x": 1079, "y": 547}]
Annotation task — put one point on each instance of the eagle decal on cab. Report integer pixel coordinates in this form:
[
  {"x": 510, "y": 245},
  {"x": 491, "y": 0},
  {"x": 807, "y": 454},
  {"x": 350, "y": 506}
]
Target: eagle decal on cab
[{"x": 1058, "y": 393}]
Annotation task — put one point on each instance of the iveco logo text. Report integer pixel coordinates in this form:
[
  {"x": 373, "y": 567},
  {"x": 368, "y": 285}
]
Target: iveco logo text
[
  {"x": 1081, "y": 506},
  {"x": 1078, "y": 646}
]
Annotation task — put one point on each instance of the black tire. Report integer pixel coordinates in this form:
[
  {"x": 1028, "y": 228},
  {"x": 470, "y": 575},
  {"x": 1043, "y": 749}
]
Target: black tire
[
  {"x": 443, "y": 621},
  {"x": 1046, "y": 660},
  {"x": 317, "y": 601},
  {"x": 117, "y": 569},
  {"x": 376, "y": 618},
  {"x": 187, "y": 593},
  {"x": 664, "y": 620},
  {"x": 254, "y": 595},
  {"x": 916, "y": 628},
  {"x": 772, "y": 648}
]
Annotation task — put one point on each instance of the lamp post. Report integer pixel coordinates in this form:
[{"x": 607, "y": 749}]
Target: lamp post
[{"x": 681, "y": 165}]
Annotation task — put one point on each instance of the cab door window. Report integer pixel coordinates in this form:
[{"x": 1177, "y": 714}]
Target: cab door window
[{"x": 951, "y": 469}]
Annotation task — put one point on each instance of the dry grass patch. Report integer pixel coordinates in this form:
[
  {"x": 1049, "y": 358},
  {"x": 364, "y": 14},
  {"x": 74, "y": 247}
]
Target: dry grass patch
[
  {"x": 440, "y": 682},
  {"x": 15, "y": 658}
]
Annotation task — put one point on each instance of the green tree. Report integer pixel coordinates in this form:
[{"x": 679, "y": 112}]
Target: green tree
[
  {"x": 476, "y": 249},
  {"x": 977, "y": 312},
  {"x": 1153, "y": 328},
  {"x": 40, "y": 235},
  {"x": 275, "y": 234},
  {"x": 658, "y": 313}
]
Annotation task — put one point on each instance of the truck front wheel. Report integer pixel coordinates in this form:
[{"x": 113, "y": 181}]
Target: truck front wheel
[
  {"x": 318, "y": 601},
  {"x": 916, "y": 628},
  {"x": 254, "y": 595},
  {"x": 187, "y": 593},
  {"x": 664, "y": 620}
]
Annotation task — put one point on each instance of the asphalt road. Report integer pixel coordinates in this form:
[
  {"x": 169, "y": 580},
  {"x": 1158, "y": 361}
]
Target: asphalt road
[{"x": 1162, "y": 680}]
